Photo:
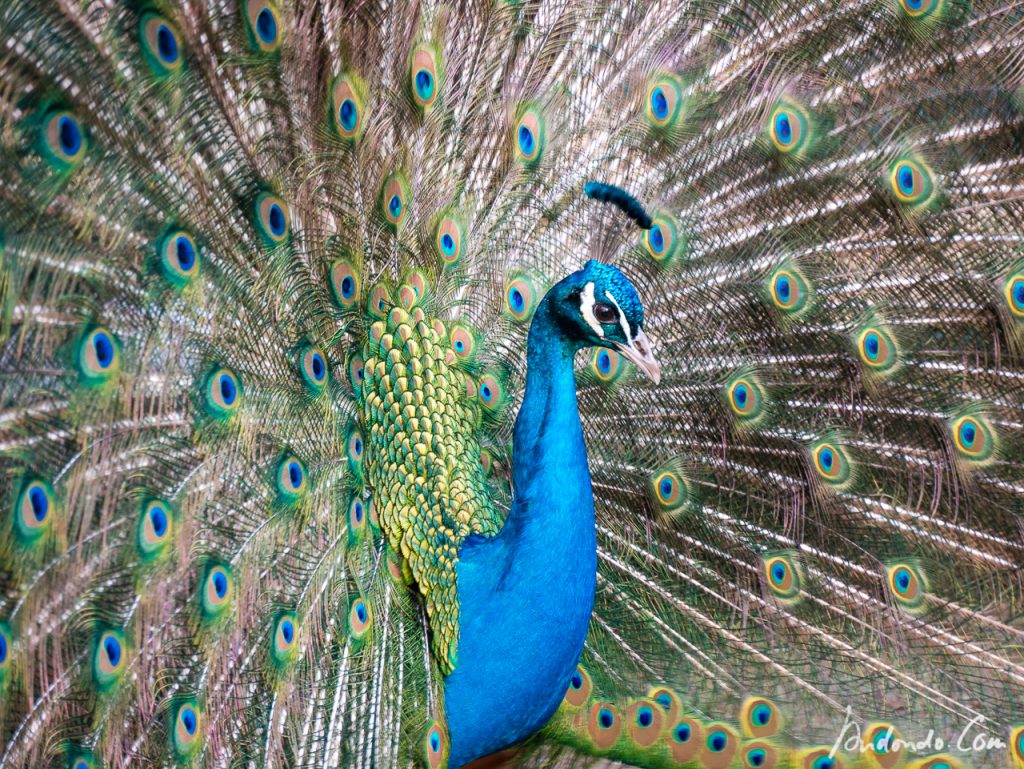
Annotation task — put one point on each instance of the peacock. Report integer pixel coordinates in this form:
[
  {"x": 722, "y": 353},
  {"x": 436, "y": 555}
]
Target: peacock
[{"x": 548, "y": 383}]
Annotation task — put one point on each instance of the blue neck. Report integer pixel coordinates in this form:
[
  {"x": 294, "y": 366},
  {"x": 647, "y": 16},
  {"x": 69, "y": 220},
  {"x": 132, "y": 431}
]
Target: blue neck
[{"x": 526, "y": 595}]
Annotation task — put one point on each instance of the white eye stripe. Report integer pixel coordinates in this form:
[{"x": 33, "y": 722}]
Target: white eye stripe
[
  {"x": 587, "y": 303},
  {"x": 622, "y": 317}
]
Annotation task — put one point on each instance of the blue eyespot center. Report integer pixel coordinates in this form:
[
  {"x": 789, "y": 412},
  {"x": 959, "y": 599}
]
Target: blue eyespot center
[
  {"x": 902, "y": 580},
  {"x": 266, "y": 26},
  {"x": 656, "y": 238},
  {"x": 659, "y": 103},
  {"x": 871, "y": 345},
  {"x": 228, "y": 391},
  {"x": 756, "y": 757},
  {"x": 782, "y": 288},
  {"x": 576, "y": 682},
  {"x": 1018, "y": 292},
  {"x": 317, "y": 365},
  {"x": 435, "y": 742},
  {"x": 604, "y": 362},
  {"x": 915, "y": 5},
  {"x": 294, "y": 474},
  {"x": 682, "y": 733},
  {"x": 359, "y": 512},
  {"x": 276, "y": 220},
  {"x": 459, "y": 346},
  {"x": 664, "y": 700},
  {"x": 825, "y": 762},
  {"x": 826, "y": 459},
  {"x": 158, "y": 518},
  {"x": 763, "y": 713},
  {"x": 447, "y": 244},
  {"x": 783, "y": 128},
  {"x": 185, "y": 252},
  {"x": 70, "y": 136},
  {"x": 287, "y": 631},
  {"x": 220, "y": 584},
  {"x": 104, "y": 348},
  {"x": 740, "y": 394},
  {"x": 516, "y": 300},
  {"x": 778, "y": 573},
  {"x": 485, "y": 391},
  {"x": 188, "y": 720},
  {"x": 40, "y": 503},
  {"x": 717, "y": 741},
  {"x": 361, "y": 612},
  {"x": 526, "y": 141},
  {"x": 905, "y": 179},
  {"x": 424, "y": 84},
  {"x": 665, "y": 487},
  {"x": 348, "y": 287},
  {"x": 357, "y": 446},
  {"x": 605, "y": 718},
  {"x": 395, "y": 206},
  {"x": 166, "y": 44},
  {"x": 3, "y": 648},
  {"x": 348, "y": 115},
  {"x": 967, "y": 434},
  {"x": 644, "y": 716},
  {"x": 112, "y": 649}
]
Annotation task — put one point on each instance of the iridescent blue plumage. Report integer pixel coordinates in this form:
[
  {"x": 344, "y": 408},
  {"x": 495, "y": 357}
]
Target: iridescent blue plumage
[{"x": 526, "y": 594}]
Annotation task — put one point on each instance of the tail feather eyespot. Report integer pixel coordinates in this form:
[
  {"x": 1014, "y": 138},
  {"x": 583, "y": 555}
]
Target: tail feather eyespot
[
  {"x": 347, "y": 107},
  {"x": 530, "y": 136},
  {"x": 161, "y": 44},
  {"x": 187, "y": 729},
  {"x": 395, "y": 198},
  {"x": 264, "y": 25},
  {"x": 425, "y": 76},
  {"x": 272, "y": 219}
]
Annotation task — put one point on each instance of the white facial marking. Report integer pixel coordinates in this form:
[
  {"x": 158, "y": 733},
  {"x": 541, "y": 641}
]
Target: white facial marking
[
  {"x": 587, "y": 308},
  {"x": 622, "y": 317}
]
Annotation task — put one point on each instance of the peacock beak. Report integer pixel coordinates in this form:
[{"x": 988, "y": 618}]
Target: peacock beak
[{"x": 639, "y": 351}]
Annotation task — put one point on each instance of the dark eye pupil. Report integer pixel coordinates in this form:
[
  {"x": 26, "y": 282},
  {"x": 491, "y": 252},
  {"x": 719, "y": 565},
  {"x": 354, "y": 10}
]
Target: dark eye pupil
[{"x": 604, "y": 313}]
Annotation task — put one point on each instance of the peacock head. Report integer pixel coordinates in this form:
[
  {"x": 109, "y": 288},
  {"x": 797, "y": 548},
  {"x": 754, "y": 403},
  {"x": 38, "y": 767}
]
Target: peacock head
[{"x": 598, "y": 306}]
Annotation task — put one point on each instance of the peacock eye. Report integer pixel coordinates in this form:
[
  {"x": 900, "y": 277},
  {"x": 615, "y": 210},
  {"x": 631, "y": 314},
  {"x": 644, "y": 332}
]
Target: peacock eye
[{"x": 605, "y": 313}]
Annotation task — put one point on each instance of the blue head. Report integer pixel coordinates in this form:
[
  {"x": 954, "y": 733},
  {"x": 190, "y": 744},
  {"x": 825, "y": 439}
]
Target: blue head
[{"x": 598, "y": 306}]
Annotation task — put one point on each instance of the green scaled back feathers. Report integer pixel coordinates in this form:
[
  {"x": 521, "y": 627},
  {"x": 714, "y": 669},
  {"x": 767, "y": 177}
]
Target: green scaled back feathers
[{"x": 267, "y": 269}]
